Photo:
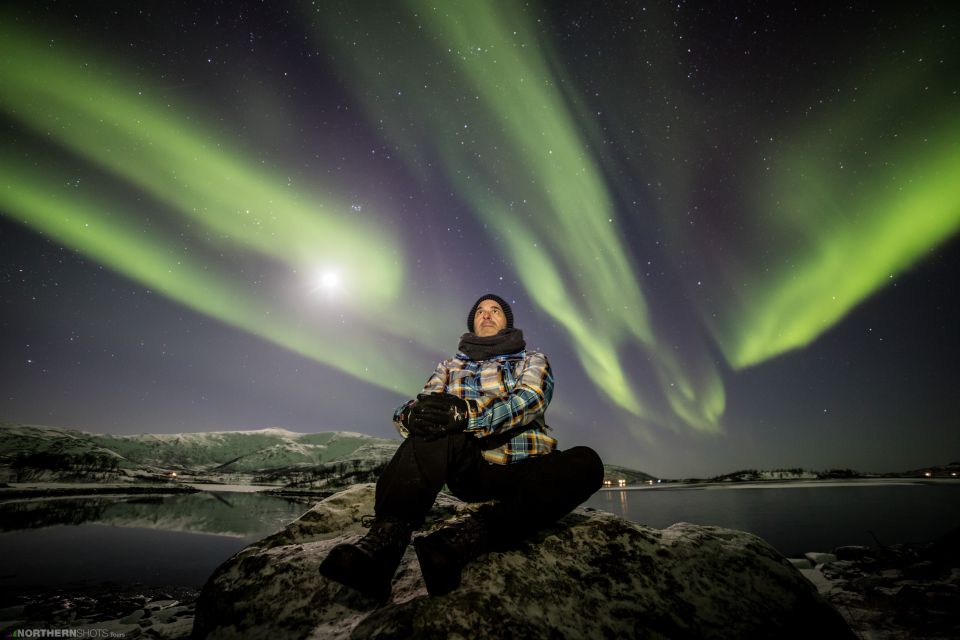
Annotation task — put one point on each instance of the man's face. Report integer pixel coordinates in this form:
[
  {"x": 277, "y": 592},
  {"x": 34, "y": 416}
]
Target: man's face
[{"x": 489, "y": 319}]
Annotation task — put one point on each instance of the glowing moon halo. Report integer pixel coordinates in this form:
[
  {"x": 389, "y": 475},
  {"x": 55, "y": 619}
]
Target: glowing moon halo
[{"x": 328, "y": 280}]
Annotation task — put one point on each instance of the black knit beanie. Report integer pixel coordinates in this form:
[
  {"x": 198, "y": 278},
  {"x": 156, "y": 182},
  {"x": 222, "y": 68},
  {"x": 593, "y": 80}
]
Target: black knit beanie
[{"x": 507, "y": 311}]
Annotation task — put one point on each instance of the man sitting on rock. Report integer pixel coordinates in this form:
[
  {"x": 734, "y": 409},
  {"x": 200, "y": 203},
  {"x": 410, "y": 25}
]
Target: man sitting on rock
[{"x": 478, "y": 427}]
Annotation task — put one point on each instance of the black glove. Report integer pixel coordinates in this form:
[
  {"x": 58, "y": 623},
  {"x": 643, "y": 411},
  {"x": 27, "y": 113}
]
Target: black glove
[{"x": 437, "y": 414}]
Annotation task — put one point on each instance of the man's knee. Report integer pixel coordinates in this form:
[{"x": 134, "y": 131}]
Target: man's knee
[{"x": 587, "y": 465}]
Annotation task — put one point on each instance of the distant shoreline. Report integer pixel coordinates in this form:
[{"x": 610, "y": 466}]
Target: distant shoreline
[
  {"x": 783, "y": 484},
  {"x": 63, "y": 489},
  {"x": 25, "y": 491}
]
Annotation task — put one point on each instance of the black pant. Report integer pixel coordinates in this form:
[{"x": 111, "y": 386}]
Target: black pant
[{"x": 531, "y": 494}]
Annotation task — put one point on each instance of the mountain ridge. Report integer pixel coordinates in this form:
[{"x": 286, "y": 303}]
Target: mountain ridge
[{"x": 39, "y": 452}]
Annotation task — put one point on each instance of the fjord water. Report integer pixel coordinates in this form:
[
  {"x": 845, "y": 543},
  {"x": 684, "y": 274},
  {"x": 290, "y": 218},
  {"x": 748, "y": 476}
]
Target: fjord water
[
  {"x": 178, "y": 540},
  {"x": 802, "y": 517},
  {"x": 155, "y": 540}
]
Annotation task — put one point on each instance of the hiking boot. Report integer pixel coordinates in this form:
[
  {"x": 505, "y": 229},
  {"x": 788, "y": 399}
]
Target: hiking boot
[
  {"x": 444, "y": 553},
  {"x": 369, "y": 564}
]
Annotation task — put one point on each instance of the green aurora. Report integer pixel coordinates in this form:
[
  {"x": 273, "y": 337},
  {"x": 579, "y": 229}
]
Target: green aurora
[
  {"x": 482, "y": 98},
  {"x": 513, "y": 149},
  {"x": 217, "y": 200}
]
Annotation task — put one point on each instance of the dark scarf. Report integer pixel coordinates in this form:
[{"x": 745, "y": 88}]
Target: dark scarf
[{"x": 503, "y": 342}]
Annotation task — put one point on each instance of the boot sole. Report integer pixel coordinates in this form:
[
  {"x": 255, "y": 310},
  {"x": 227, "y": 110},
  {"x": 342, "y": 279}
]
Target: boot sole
[
  {"x": 350, "y": 567},
  {"x": 440, "y": 574}
]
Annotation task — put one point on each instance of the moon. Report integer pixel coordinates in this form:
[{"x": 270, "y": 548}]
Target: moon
[{"x": 328, "y": 280}]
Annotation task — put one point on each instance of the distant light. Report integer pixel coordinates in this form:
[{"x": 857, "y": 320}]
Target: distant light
[{"x": 927, "y": 473}]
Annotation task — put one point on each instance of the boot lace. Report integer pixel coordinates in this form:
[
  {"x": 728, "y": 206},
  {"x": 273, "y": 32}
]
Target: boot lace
[{"x": 384, "y": 534}]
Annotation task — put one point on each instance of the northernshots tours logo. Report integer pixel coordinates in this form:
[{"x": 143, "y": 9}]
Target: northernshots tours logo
[{"x": 65, "y": 633}]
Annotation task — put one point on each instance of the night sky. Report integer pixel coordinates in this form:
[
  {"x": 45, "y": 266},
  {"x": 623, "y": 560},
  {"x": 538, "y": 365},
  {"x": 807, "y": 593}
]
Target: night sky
[{"x": 731, "y": 227}]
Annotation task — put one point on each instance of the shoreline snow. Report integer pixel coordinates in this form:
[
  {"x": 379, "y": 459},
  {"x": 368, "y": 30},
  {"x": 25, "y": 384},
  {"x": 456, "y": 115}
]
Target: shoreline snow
[{"x": 783, "y": 484}]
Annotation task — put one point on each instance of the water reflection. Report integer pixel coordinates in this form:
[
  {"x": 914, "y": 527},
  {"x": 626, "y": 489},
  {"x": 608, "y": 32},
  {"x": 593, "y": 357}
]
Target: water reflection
[
  {"x": 240, "y": 515},
  {"x": 615, "y": 502},
  {"x": 157, "y": 540},
  {"x": 799, "y": 519}
]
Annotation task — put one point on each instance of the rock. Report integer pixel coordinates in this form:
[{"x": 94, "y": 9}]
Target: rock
[
  {"x": 98, "y": 610},
  {"x": 133, "y": 617},
  {"x": 593, "y": 575},
  {"x": 854, "y": 552},
  {"x": 820, "y": 558},
  {"x": 898, "y": 591}
]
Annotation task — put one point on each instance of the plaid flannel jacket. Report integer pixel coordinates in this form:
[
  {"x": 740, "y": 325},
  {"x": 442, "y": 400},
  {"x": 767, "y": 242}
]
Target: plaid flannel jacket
[{"x": 506, "y": 395}]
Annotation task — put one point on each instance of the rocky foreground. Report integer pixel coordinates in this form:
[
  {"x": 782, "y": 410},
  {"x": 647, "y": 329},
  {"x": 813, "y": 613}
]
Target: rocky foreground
[
  {"x": 594, "y": 575},
  {"x": 101, "y": 611},
  {"x": 893, "y": 592}
]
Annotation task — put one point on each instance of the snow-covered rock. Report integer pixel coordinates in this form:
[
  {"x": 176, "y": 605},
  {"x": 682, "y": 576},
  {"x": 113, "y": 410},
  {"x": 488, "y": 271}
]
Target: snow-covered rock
[
  {"x": 816, "y": 557},
  {"x": 898, "y": 591},
  {"x": 593, "y": 575}
]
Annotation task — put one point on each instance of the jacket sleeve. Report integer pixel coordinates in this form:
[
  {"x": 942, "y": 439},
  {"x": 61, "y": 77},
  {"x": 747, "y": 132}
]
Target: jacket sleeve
[
  {"x": 528, "y": 400},
  {"x": 437, "y": 383}
]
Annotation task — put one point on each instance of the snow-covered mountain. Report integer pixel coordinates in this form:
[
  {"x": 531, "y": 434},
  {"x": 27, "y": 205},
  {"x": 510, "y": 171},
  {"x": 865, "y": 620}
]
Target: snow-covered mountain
[
  {"x": 37, "y": 452},
  {"x": 239, "y": 451}
]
